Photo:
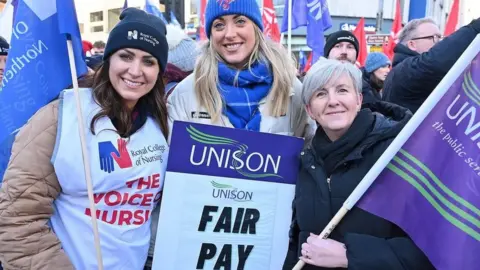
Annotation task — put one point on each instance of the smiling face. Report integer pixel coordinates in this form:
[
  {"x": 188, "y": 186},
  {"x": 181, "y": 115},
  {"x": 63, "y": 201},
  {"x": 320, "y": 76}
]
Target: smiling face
[
  {"x": 233, "y": 38},
  {"x": 133, "y": 73},
  {"x": 335, "y": 106}
]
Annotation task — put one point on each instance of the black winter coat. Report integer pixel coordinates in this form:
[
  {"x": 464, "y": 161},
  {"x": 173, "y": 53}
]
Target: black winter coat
[
  {"x": 414, "y": 76},
  {"x": 369, "y": 93},
  {"x": 372, "y": 242}
]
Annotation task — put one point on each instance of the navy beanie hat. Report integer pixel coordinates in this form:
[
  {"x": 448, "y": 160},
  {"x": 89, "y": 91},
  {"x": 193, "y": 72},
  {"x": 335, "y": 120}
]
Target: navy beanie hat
[
  {"x": 337, "y": 37},
  {"x": 139, "y": 30},
  {"x": 375, "y": 61},
  {"x": 219, "y": 8},
  {"x": 4, "y": 47}
]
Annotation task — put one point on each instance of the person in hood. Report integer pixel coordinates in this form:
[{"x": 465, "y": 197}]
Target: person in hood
[
  {"x": 4, "y": 47},
  {"x": 347, "y": 142},
  {"x": 377, "y": 66},
  {"x": 342, "y": 46},
  {"x": 45, "y": 219},
  {"x": 422, "y": 58},
  {"x": 241, "y": 79}
]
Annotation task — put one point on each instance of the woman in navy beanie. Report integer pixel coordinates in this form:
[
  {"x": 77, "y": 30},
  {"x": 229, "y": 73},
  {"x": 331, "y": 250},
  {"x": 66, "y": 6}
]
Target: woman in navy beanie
[
  {"x": 377, "y": 67},
  {"x": 241, "y": 79},
  {"x": 45, "y": 216}
]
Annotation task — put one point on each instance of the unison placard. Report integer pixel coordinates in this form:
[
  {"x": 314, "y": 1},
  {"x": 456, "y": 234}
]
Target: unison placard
[{"x": 227, "y": 199}]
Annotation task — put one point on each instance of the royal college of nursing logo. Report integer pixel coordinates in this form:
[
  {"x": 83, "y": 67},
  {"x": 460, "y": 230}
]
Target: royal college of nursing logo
[
  {"x": 132, "y": 35},
  {"x": 108, "y": 153}
]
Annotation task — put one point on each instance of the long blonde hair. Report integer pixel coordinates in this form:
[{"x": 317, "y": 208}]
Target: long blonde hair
[{"x": 281, "y": 65}]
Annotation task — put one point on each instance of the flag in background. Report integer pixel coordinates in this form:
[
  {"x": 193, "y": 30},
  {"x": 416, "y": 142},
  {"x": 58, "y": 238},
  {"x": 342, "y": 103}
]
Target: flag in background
[
  {"x": 302, "y": 61},
  {"x": 37, "y": 67},
  {"x": 359, "y": 33},
  {"x": 174, "y": 20},
  {"x": 452, "y": 21},
  {"x": 431, "y": 188},
  {"x": 202, "y": 34},
  {"x": 151, "y": 7},
  {"x": 396, "y": 28},
  {"x": 308, "y": 65},
  {"x": 125, "y": 5},
  {"x": 315, "y": 15},
  {"x": 270, "y": 23}
]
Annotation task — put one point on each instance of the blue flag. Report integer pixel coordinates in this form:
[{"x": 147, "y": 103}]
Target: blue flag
[
  {"x": 173, "y": 19},
  {"x": 152, "y": 8},
  {"x": 37, "y": 67},
  {"x": 315, "y": 15},
  {"x": 302, "y": 61}
]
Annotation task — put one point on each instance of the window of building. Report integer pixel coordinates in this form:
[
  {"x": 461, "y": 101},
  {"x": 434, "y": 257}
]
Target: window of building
[
  {"x": 113, "y": 18},
  {"x": 96, "y": 29},
  {"x": 96, "y": 16}
]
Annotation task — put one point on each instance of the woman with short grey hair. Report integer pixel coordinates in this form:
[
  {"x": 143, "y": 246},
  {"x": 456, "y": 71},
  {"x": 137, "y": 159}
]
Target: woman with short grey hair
[{"x": 348, "y": 141}]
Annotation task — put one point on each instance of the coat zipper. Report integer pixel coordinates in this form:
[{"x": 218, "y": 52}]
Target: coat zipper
[{"x": 328, "y": 182}]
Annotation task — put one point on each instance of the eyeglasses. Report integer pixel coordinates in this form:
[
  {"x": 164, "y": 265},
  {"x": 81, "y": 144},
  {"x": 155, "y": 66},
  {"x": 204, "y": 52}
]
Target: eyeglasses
[{"x": 435, "y": 38}]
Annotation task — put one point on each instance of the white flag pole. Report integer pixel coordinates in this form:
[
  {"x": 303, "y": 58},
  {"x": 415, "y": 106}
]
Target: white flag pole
[
  {"x": 86, "y": 160},
  {"x": 401, "y": 139},
  {"x": 289, "y": 32}
]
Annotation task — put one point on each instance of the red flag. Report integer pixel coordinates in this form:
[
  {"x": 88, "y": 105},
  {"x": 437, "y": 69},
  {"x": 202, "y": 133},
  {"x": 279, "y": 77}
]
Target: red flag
[
  {"x": 359, "y": 33},
  {"x": 202, "y": 33},
  {"x": 452, "y": 21},
  {"x": 270, "y": 23},
  {"x": 396, "y": 28},
  {"x": 308, "y": 65}
]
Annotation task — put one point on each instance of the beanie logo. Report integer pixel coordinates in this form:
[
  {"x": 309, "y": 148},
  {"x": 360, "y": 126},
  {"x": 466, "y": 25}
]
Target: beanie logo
[
  {"x": 132, "y": 35},
  {"x": 3, "y": 50},
  {"x": 225, "y": 4},
  {"x": 346, "y": 38}
]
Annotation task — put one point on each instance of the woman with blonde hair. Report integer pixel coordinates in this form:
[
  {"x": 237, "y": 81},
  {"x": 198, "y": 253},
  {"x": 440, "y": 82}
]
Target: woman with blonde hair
[{"x": 241, "y": 79}]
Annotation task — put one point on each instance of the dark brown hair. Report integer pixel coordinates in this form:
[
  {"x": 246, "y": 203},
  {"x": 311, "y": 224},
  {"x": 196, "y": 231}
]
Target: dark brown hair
[
  {"x": 376, "y": 83},
  {"x": 112, "y": 106}
]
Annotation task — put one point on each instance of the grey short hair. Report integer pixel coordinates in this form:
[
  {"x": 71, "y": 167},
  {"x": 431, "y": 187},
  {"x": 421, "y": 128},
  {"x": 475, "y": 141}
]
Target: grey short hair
[
  {"x": 325, "y": 70},
  {"x": 408, "y": 31}
]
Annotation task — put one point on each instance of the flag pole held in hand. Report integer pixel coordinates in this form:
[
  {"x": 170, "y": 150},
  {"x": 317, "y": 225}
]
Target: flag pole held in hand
[{"x": 86, "y": 161}]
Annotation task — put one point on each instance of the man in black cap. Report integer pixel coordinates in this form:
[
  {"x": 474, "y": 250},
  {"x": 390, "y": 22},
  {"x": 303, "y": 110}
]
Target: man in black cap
[
  {"x": 343, "y": 46},
  {"x": 4, "y": 47}
]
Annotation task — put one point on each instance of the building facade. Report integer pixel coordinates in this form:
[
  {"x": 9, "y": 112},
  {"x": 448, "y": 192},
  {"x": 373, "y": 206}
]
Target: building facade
[
  {"x": 439, "y": 10},
  {"x": 98, "y": 17}
]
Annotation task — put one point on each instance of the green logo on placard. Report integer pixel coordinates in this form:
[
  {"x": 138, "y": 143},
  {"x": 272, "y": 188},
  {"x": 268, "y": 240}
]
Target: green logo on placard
[
  {"x": 222, "y": 191},
  {"x": 224, "y": 153}
]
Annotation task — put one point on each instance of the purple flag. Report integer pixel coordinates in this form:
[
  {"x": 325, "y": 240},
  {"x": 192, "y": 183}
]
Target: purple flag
[
  {"x": 431, "y": 188},
  {"x": 315, "y": 15}
]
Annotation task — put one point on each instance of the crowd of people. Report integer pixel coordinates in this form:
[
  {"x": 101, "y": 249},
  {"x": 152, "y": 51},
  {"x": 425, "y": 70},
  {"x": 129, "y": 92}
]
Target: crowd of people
[{"x": 135, "y": 90}]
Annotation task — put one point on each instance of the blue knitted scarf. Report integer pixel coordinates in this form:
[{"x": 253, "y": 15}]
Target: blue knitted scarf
[{"x": 242, "y": 97}]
